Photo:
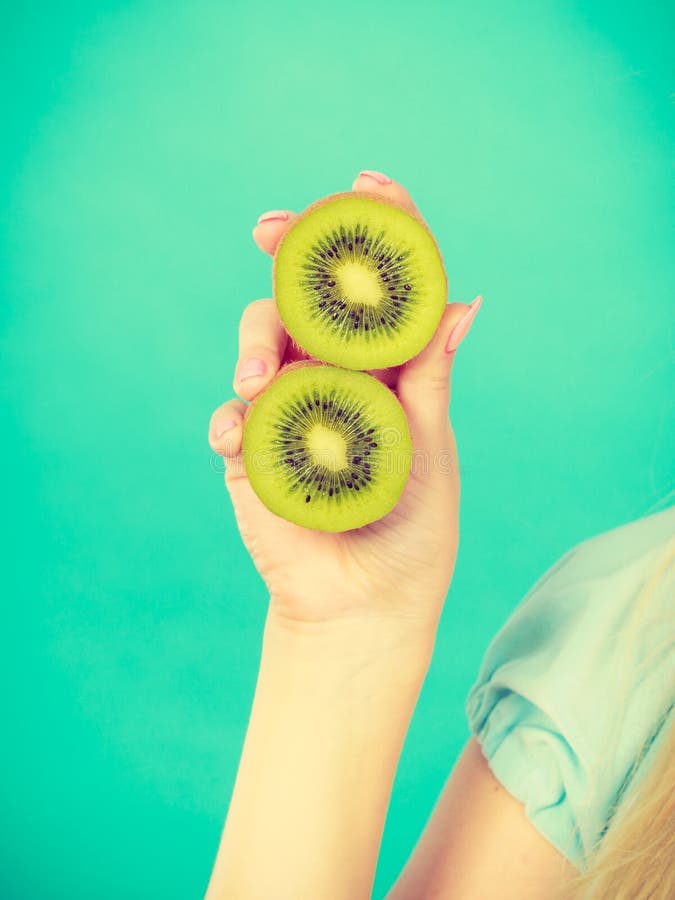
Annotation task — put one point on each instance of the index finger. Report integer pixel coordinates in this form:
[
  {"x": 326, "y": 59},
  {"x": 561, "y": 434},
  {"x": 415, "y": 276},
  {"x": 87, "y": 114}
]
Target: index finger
[
  {"x": 271, "y": 227},
  {"x": 274, "y": 224}
]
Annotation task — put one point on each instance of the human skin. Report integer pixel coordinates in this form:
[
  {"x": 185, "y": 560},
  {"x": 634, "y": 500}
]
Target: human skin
[
  {"x": 397, "y": 569},
  {"x": 348, "y": 638}
]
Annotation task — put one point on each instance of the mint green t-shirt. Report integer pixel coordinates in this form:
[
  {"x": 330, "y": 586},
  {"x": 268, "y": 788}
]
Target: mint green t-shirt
[{"x": 579, "y": 678}]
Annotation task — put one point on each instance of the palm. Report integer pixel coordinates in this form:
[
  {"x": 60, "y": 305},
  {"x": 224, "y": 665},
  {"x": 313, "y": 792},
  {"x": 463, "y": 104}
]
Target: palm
[
  {"x": 313, "y": 575},
  {"x": 400, "y": 565}
]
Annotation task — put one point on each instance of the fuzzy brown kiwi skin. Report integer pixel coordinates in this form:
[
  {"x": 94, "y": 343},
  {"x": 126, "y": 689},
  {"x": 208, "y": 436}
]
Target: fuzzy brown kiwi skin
[{"x": 343, "y": 194}]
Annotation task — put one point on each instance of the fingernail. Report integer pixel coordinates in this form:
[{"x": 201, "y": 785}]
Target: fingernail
[
  {"x": 460, "y": 330},
  {"x": 252, "y": 368},
  {"x": 225, "y": 426},
  {"x": 376, "y": 176},
  {"x": 274, "y": 215}
]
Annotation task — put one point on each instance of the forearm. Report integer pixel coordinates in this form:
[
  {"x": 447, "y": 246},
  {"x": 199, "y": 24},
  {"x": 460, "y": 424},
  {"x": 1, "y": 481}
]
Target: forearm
[{"x": 328, "y": 722}]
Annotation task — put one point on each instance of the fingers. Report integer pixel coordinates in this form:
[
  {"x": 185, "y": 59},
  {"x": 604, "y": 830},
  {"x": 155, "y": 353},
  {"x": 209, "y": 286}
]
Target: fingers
[
  {"x": 382, "y": 185},
  {"x": 225, "y": 428},
  {"x": 271, "y": 227},
  {"x": 262, "y": 342},
  {"x": 424, "y": 382}
]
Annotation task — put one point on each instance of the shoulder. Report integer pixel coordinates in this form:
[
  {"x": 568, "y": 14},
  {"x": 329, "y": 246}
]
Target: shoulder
[
  {"x": 592, "y": 594},
  {"x": 577, "y": 678}
]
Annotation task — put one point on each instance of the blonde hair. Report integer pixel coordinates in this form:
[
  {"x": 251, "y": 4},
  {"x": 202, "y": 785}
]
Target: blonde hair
[{"x": 634, "y": 859}]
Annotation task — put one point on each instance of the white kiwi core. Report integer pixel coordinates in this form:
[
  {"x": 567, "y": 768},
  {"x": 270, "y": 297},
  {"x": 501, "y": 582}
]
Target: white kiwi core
[
  {"x": 359, "y": 284},
  {"x": 327, "y": 448}
]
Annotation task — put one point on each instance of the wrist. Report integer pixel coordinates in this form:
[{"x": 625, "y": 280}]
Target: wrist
[
  {"x": 334, "y": 605},
  {"x": 352, "y": 648}
]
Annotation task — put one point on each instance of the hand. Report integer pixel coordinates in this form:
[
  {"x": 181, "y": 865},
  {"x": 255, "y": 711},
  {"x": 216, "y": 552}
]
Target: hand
[{"x": 397, "y": 569}]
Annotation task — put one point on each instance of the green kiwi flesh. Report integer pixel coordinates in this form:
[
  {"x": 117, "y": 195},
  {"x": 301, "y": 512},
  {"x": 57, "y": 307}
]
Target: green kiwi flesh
[
  {"x": 327, "y": 448},
  {"x": 359, "y": 282}
]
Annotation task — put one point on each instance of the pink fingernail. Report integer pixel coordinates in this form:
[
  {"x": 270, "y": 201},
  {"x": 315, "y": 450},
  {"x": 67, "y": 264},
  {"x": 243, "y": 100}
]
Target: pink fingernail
[
  {"x": 252, "y": 368},
  {"x": 376, "y": 176},
  {"x": 460, "y": 330},
  {"x": 225, "y": 426},
  {"x": 274, "y": 215}
]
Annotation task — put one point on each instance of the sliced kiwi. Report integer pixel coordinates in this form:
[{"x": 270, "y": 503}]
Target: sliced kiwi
[
  {"x": 327, "y": 448},
  {"x": 359, "y": 282}
]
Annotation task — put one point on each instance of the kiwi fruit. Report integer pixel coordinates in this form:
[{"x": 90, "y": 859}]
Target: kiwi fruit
[
  {"x": 327, "y": 448},
  {"x": 359, "y": 282}
]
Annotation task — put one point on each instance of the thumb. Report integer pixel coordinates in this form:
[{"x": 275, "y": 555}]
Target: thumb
[{"x": 424, "y": 382}]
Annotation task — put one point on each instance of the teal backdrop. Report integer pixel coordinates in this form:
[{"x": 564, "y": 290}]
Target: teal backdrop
[{"x": 141, "y": 140}]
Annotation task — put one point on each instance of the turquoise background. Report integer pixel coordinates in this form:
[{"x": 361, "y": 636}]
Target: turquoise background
[{"x": 141, "y": 140}]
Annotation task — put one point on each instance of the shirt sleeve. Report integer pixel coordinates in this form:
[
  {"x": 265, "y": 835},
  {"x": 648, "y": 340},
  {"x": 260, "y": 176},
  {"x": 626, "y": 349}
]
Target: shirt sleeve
[{"x": 576, "y": 681}]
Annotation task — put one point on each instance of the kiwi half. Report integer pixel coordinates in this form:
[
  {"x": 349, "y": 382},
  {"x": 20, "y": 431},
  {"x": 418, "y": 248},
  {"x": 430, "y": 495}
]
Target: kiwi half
[
  {"x": 359, "y": 282},
  {"x": 327, "y": 448}
]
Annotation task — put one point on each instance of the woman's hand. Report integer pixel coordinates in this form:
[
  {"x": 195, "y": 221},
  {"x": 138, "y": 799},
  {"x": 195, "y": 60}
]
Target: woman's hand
[{"x": 397, "y": 569}]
